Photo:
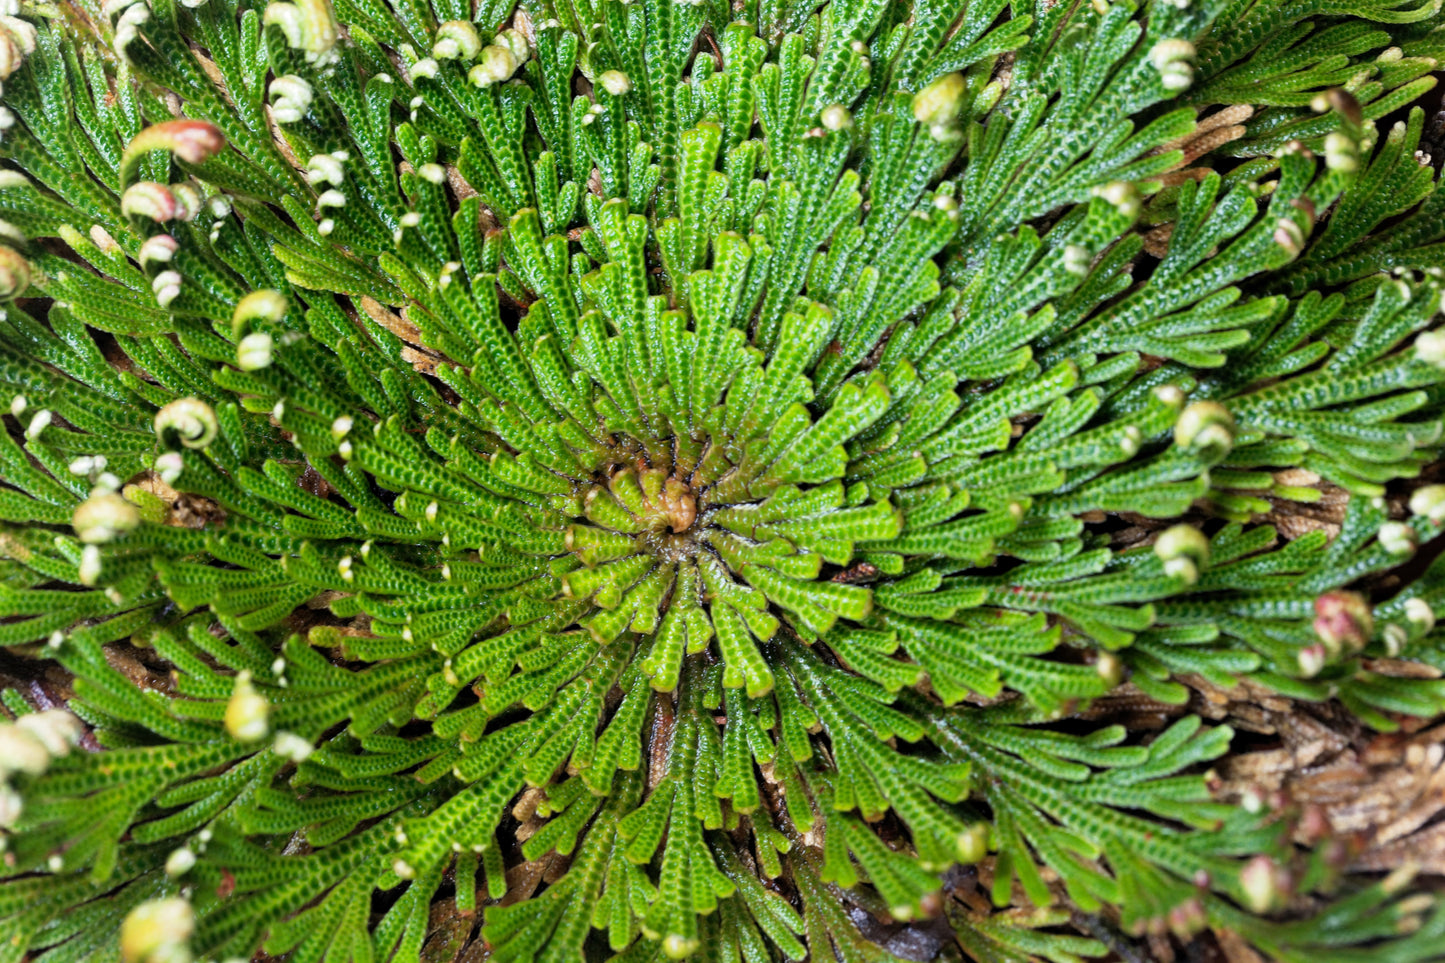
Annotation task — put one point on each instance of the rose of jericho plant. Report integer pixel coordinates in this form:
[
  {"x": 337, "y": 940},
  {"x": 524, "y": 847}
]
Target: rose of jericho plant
[{"x": 667, "y": 479}]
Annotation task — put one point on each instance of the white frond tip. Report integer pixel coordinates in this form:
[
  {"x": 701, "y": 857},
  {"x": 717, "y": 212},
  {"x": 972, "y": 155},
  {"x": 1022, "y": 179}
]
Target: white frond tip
[
  {"x": 263, "y": 305},
  {"x": 291, "y": 97},
  {"x": 248, "y": 714},
  {"x": 309, "y": 25},
  {"x": 498, "y": 64},
  {"x": 104, "y": 517},
  {"x": 615, "y": 82},
  {"x": 14, "y": 273},
  {"x": 159, "y": 249},
  {"x": 837, "y": 117},
  {"x": 938, "y": 105},
  {"x": 456, "y": 40},
  {"x": 188, "y": 420},
  {"x": 166, "y": 286},
  {"x": 157, "y": 931},
  {"x": 255, "y": 352}
]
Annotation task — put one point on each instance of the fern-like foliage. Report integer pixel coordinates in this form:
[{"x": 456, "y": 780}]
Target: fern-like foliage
[{"x": 648, "y": 471}]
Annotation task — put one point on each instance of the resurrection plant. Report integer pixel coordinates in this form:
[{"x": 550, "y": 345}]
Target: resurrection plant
[{"x": 667, "y": 479}]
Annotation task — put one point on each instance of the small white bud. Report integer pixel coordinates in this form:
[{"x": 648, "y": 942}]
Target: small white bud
[
  {"x": 1170, "y": 395},
  {"x": 1341, "y": 152},
  {"x": 90, "y": 562},
  {"x": 1429, "y": 501},
  {"x": 157, "y": 932},
  {"x": 38, "y": 423},
  {"x": 248, "y": 713},
  {"x": 21, "y": 751},
  {"x": 309, "y": 26},
  {"x": 1205, "y": 424},
  {"x": 57, "y": 729},
  {"x": 1109, "y": 667},
  {"x": 1397, "y": 538},
  {"x": 1182, "y": 541},
  {"x": 1261, "y": 884},
  {"x": 103, "y": 517},
  {"x": 1123, "y": 196},
  {"x": 1419, "y": 614},
  {"x": 498, "y": 64},
  {"x": 679, "y": 947},
  {"x": 12, "y": 54},
  {"x": 167, "y": 287},
  {"x": 254, "y": 352},
  {"x": 837, "y": 117},
  {"x": 513, "y": 40},
  {"x": 291, "y": 746},
  {"x": 615, "y": 82},
  {"x": 1167, "y": 52},
  {"x": 1430, "y": 348},
  {"x": 323, "y": 168},
  {"x": 1311, "y": 660},
  {"x": 160, "y": 248},
  {"x": 262, "y": 305},
  {"x": 291, "y": 97},
  {"x": 180, "y": 862},
  {"x": 1176, "y": 76},
  {"x": 456, "y": 40},
  {"x": 169, "y": 466},
  {"x": 939, "y": 104},
  {"x": 12, "y": 807},
  {"x": 102, "y": 239}
]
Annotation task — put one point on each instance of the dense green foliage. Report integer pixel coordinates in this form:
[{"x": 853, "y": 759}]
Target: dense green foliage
[{"x": 690, "y": 438}]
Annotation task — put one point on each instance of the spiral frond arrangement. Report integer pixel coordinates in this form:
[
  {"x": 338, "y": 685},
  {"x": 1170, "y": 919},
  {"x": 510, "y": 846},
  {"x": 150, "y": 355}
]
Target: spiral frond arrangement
[{"x": 669, "y": 478}]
